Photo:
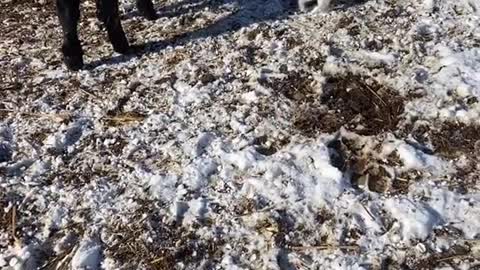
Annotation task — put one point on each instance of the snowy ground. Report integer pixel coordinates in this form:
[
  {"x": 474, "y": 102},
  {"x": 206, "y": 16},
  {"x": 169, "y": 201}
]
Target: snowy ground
[{"x": 243, "y": 136}]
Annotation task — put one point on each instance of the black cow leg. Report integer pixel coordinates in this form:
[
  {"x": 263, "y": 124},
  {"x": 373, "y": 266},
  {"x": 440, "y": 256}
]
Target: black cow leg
[
  {"x": 68, "y": 12},
  {"x": 107, "y": 12},
  {"x": 145, "y": 7}
]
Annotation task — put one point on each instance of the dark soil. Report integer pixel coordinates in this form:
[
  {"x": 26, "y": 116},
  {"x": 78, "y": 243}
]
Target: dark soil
[
  {"x": 358, "y": 103},
  {"x": 453, "y": 139}
]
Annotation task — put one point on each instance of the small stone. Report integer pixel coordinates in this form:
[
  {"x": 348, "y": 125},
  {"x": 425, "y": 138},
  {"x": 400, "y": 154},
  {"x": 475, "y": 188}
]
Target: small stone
[
  {"x": 133, "y": 85},
  {"x": 5, "y": 152},
  {"x": 463, "y": 90}
]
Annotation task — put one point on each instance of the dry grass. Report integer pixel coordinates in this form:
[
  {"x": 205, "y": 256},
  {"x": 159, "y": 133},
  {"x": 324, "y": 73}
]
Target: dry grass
[
  {"x": 435, "y": 260},
  {"x": 126, "y": 118},
  {"x": 146, "y": 240},
  {"x": 8, "y": 219}
]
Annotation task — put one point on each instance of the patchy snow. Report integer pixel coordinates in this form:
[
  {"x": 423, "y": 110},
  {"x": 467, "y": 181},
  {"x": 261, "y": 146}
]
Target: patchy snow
[
  {"x": 415, "y": 222},
  {"x": 219, "y": 146},
  {"x": 413, "y": 158},
  {"x": 87, "y": 256}
]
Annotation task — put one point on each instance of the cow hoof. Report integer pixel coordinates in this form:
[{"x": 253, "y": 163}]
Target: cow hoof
[
  {"x": 120, "y": 43},
  {"x": 72, "y": 55},
  {"x": 122, "y": 48},
  {"x": 74, "y": 62},
  {"x": 151, "y": 15},
  {"x": 146, "y": 9}
]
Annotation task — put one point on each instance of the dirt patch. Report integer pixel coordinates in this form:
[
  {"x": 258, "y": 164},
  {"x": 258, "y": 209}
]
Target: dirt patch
[
  {"x": 368, "y": 170},
  {"x": 364, "y": 170},
  {"x": 451, "y": 141},
  {"x": 454, "y": 139},
  {"x": 268, "y": 146},
  {"x": 18, "y": 218},
  {"x": 130, "y": 246},
  {"x": 358, "y": 103},
  {"x": 466, "y": 178},
  {"x": 295, "y": 86},
  {"x": 14, "y": 13},
  {"x": 151, "y": 242}
]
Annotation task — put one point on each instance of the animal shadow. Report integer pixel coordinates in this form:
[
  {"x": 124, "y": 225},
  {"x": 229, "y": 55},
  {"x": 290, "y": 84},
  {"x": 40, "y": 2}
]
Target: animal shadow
[{"x": 246, "y": 12}]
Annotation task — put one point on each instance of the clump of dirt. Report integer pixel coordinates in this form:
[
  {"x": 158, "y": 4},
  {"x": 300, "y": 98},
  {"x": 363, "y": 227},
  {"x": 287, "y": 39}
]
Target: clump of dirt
[
  {"x": 358, "y": 103},
  {"x": 245, "y": 206},
  {"x": 269, "y": 146},
  {"x": 369, "y": 171},
  {"x": 454, "y": 139},
  {"x": 3, "y": 111},
  {"x": 295, "y": 86},
  {"x": 401, "y": 183},
  {"x": 375, "y": 178},
  {"x": 324, "y": 215},
  {"x": 365, "y": 171},
  {"x": 418, "y": 130}
]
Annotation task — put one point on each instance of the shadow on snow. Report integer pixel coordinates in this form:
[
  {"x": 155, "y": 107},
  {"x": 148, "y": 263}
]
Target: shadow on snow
[{"x": 245, "y": 13}]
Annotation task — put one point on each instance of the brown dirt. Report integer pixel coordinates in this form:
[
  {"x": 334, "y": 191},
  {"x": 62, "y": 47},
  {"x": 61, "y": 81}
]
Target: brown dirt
[
  {"x": 450, "y": 140},
  {"x": 295, "y": 86},
  {"x": 453, "y": 139},
  {"x": 363, "y": 169},
  {"x": 402, "y": 182},
  {"x": 358, "y": 103},
  {"x": 367, "y": 171}
]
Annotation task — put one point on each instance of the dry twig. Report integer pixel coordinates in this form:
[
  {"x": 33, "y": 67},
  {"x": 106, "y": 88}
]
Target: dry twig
[{"x": 325, "y": 247}]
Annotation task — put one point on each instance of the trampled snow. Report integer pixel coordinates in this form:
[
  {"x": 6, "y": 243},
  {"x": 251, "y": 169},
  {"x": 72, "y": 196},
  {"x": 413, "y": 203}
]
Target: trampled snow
[{"x": 198, "y": 153}]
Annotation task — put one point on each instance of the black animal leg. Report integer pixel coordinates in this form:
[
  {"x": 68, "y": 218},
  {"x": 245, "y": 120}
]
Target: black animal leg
[
  {"x": 107, "y": 12},
  {"x": 145, "y": 8},
  {"x": 68, "y": 12}
]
